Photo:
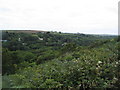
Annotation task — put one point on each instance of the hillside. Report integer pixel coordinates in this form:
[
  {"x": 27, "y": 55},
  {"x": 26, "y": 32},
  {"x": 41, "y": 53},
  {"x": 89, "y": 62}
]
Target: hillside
[
  {"x": 23, "y": 31},
  {"x": 59, "y": 60}
]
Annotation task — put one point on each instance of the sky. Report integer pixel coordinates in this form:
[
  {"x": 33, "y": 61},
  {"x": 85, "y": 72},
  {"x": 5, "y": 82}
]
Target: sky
[{"x": 73, "y": 16}]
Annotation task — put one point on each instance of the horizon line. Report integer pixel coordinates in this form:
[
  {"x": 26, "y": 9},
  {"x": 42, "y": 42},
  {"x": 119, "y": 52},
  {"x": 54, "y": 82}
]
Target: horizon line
[{"x": 59, "y": 31}]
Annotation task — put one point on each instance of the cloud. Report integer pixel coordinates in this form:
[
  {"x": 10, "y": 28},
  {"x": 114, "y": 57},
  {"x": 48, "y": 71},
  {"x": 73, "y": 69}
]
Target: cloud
[{"x": 85, "y": 16}]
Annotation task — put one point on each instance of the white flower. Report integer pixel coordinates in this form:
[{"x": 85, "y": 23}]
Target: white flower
[
  {"x": 115, "y": 78},
  {"x": 116, "y": 62},
  {"x": 99, "y": 62}
]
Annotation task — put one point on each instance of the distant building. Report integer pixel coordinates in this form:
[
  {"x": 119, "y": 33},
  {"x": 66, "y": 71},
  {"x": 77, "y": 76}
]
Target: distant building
[
  {"x": 19, "y": 39},
  {"x": 24, "y": 43},
  {"x": 40, "y": 38},
  {"x": 64, "y": 44},
  {"x": 3, "y": 40}
]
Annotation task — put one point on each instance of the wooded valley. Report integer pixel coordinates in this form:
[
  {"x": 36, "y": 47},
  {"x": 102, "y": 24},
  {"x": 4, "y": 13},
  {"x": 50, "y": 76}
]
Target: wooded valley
[{"x": 38, "y": 59}]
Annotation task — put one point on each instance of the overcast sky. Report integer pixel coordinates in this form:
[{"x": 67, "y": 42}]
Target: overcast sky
[{"x": 83, "y": 16}]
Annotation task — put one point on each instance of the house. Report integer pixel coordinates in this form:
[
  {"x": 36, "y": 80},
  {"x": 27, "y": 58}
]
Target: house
[
  {"x": 19, "y": 39},
  {"x": 3, "y": 40},
  {"x": 40, "y": 38}
]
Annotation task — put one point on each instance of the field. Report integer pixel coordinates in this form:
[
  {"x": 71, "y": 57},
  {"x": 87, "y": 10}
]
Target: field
[{"x": 38, "y": 59}]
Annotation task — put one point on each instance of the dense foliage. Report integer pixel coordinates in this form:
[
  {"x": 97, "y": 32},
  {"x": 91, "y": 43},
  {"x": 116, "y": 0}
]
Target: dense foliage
[{"x": 60, "y": 60}]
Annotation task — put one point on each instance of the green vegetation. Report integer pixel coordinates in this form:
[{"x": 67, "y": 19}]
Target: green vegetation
[{"x": 60, "y": 60}]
